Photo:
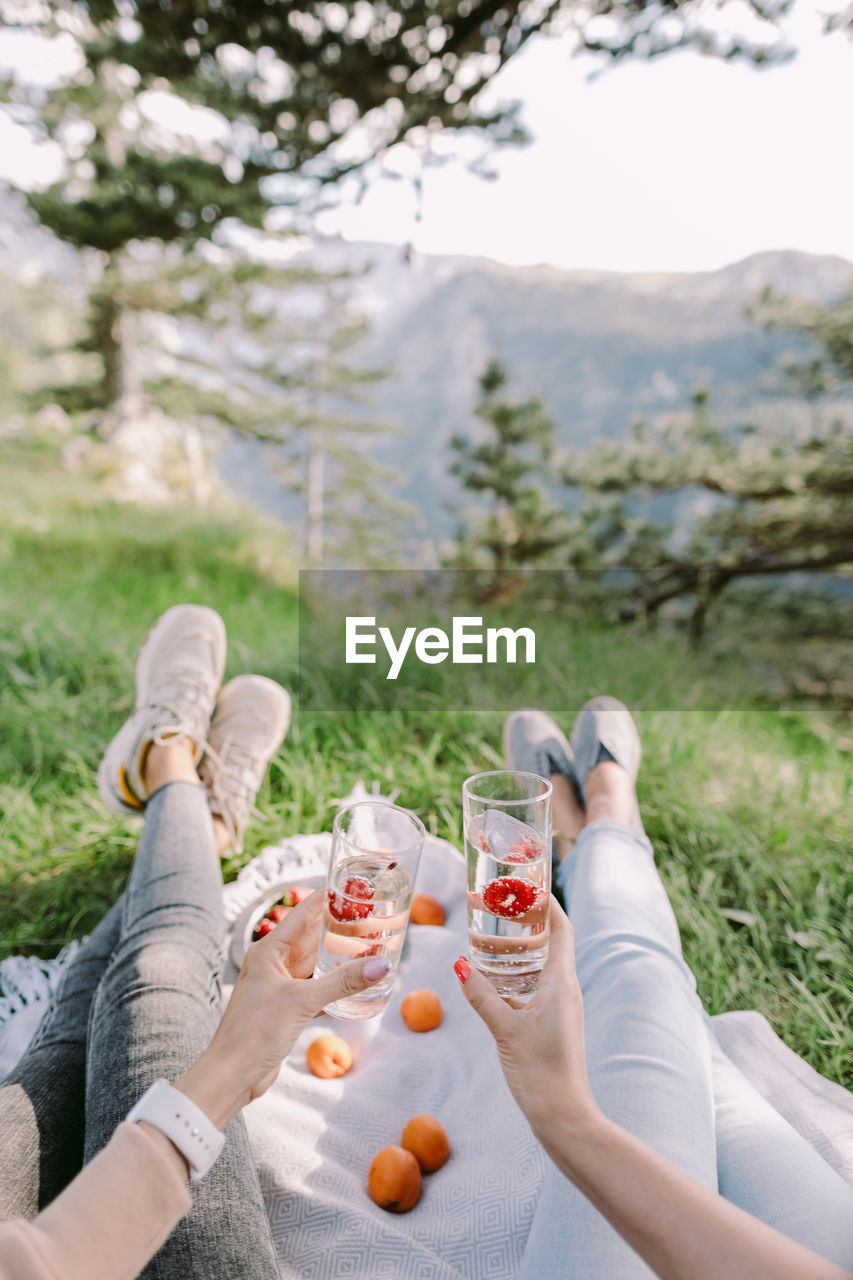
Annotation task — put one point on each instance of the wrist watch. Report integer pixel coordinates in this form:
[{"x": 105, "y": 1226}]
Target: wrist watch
[{"x": 185, "y": 1124}]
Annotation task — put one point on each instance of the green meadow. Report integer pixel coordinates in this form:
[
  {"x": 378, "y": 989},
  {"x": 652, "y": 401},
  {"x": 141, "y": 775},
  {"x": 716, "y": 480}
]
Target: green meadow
[{"x": 747, "y": 799}]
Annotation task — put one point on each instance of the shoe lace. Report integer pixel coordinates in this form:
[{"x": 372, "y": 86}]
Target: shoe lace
[
  {"x": 233, "y": 781},
  {"x": 187, "y": 703}
]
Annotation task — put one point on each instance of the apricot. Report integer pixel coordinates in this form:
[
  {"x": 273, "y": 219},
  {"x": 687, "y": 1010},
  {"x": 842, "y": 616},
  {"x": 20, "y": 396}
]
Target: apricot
[
  {"x": 422, "y": 1010},
  {"x": 427, "y": 910},
  {"x": 427, "y": 1141},
  {"x": 328, "y": 1057},
  {"x": 394, "y": 1180}
]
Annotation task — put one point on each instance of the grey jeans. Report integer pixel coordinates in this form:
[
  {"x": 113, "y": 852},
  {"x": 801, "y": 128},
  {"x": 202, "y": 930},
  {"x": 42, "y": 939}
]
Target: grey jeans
[{"x": 140, "y": 1000}]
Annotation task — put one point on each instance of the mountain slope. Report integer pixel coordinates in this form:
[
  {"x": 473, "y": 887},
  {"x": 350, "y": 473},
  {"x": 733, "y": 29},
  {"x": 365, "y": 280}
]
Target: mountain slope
[{"x": 601, "y": 348}]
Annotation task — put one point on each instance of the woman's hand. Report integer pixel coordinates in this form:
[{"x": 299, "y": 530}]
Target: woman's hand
[
  {"x": 682, "y": 1229},
  {"x": 274, "y": 997},
  {"x": 540, "y": 1044}
]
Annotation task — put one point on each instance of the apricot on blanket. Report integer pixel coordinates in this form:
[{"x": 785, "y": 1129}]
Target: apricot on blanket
[
  {"x": 427, "y": 1141},
  {"x": 422, "y": 1010},
  {"x": 329, "y": 1057},
  {"x": 394, "y": 1180},
  {"x": 426, "y": 910}
]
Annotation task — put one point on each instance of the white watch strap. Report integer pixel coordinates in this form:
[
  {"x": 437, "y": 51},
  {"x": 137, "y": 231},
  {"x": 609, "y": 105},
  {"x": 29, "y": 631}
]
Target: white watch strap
[{"x": 174, "y": 1114}]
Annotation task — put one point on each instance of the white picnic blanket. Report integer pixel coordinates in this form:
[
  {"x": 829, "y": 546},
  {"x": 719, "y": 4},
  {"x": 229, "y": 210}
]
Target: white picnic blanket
[{"x": 314, "y": 1140}]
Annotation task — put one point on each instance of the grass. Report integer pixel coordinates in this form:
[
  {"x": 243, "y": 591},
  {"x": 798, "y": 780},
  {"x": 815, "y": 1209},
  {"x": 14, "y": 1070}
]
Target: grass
[{"x": 747, "y": 801}]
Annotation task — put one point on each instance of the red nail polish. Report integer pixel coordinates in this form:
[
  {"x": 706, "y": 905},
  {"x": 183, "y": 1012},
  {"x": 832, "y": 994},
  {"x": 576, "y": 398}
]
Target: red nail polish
[{"x": 462, "y": 969}]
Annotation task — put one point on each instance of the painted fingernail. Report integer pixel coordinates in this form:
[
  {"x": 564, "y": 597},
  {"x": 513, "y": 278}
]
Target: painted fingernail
[
  {"x": 462, "y": 969},
  {"x": 375, "y": 968}
]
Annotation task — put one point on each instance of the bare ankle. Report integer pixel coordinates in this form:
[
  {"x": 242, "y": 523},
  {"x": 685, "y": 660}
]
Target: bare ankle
[
  {"x": 566, "y": 805},
  {"x": 609, "y": 794},
  {"x": 222, "y": 835},
  {"x": 568, "y": 814},
  {"x": 169, "y": 762},
  {"x": 564, "y": 845}
]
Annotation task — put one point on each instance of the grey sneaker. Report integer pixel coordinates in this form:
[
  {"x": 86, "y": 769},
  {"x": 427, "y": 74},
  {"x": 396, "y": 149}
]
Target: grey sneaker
[
  {"x": 605, "y": 730},
  {"x": 532, "y": 743},
  {"x": 249, "y": 722},
  {"x": 178, "y": 671}
]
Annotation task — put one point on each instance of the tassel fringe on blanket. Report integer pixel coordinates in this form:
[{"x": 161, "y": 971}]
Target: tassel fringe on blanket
[{"x": 26, "y": 985}]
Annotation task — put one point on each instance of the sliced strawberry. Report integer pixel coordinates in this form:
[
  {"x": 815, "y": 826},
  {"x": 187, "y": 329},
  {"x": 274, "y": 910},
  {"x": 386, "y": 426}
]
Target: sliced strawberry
[
  {"x": 278, "y": 912},
  {"x": 354, "y": 900},
  {"x": 298, "y": 893},
  {"x": 509, "y": 897},
  {"x": 527, "y": 849}
]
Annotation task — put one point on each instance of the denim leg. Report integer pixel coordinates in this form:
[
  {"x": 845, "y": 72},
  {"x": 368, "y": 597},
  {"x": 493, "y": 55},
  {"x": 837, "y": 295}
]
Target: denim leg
[
  {"x": 648, "y": 1055},
  {"x": 155, "y": 1010},
  {"x": 769, "y": 1169},
  {"x": 42, "y": 1099}
]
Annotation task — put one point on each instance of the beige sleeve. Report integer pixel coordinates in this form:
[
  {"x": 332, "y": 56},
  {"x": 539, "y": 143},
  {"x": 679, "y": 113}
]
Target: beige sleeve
[{"x": 109, "y": 1221}]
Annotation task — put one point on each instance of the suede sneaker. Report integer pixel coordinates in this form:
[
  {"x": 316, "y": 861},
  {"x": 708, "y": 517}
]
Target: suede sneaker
[
  {"x": 533, "y": 743},
  {"x": 605, "y": 730},
  {"x": 249, "y": 722},
  {"x": 178, "y": 672}
]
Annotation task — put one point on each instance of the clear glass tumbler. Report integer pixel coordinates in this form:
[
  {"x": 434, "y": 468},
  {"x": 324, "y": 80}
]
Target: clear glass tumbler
[
  {"x": 507, "y": 828},
  {"x": 374, "y": 858}
]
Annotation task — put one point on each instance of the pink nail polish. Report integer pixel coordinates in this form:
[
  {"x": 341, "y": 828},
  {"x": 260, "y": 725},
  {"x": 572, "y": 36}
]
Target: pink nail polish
[
  {"x": 462, "y": 969},
  {"x": 375, "y": 968}
]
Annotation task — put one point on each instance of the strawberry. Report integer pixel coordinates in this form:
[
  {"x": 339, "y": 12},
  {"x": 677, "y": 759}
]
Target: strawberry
[
  {"x": 298, "y": 893},
  {"x": 264, "y": 927},
  {"x": 278, "y": 912},
  {"x": 353, "y": 902},
  {"x": 509, "y": 897},
  {"x": 527, "y": 849}
]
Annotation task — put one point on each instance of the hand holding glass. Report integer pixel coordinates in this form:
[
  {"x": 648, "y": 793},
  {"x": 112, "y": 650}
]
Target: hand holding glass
[
  {"x": 507, "y": 827},
  {"x": 373, "y": 861}
]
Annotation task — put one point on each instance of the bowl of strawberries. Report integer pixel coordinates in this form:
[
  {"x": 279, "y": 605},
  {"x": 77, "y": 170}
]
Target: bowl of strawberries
[
  {"x": 277, "y": 910},
  {"x": 262, "y": 916}
]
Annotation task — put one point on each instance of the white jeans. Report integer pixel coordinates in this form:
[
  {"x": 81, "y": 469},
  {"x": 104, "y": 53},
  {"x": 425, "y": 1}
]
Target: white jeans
[{"x": 656, "y": 1068}]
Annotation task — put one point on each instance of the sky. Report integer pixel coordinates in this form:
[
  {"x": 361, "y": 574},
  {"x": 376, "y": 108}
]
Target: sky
[{"x": 680, "y": 164}]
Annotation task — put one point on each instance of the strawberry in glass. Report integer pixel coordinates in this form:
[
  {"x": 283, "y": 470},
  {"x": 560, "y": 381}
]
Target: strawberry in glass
[{"x": 507, "y": 829}]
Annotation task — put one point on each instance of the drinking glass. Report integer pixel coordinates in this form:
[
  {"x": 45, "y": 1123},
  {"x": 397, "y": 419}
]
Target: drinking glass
[
  {"x": 373, "y": 861},
  {"x": 507, "y": 828}
]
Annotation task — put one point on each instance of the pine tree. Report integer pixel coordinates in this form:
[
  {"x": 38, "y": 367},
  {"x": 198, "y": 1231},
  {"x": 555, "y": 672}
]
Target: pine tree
[
  {"x": 182, "y": 121},
  {"x": 273, "y": 354},
  {"x": 185, "y": 117},
  {"x": 521, "y": 526},
  {"x": 434, "y": 56},
  {"x": 782, "y": 494},
  {"x": 350, "y": 513},
  {"x": 119, "y": 338}
]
